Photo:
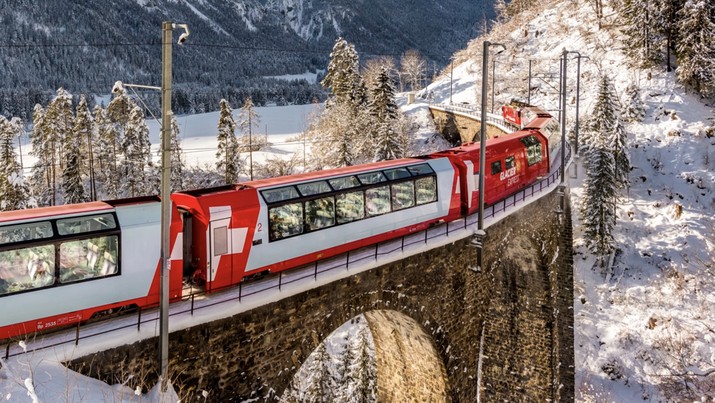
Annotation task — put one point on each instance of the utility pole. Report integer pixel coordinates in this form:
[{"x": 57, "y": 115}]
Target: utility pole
[
  {"x": 528, "y": 97},
  {"x": 451, "y": 79},
  {"x": 480, "y": 234},
  {"x": 250, "y": 145},
  {"x": 563, "y": 116},
  {"x": 167, "y": 31}
]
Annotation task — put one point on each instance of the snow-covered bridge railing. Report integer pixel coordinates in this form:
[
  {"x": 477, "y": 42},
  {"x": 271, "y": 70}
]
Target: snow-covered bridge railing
[{"x": 474, "y": 113}]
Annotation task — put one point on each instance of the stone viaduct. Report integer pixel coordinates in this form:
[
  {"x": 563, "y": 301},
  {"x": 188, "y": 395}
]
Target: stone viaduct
[{"x": 442, "y": 332}]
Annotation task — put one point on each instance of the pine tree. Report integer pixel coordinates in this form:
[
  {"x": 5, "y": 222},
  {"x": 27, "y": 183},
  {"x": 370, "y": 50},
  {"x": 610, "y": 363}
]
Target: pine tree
[
  {"x": 605, "y": 126},
  {"x": 227, "y": 156},
  {"x": 248, "y": 123},
  {"x": 137, "y": 157},
  {"x": 84, "y": 136},
  {"x": 634, "y": 110},
  {"x": 320, "y": 385},
  {"x": 666, "y": 21},
  {"x": 41, "y": 181},
  {"x": 177, "y": 158},
  {"x": 13, "y": 192},
  {"x": 696, "y": 48},
  {"x": 343, "y": 76},
  {"x": 58, "y": 123},
  {"x": 382, "y": 103},
  {"x": 72, "y": 183},
  {"x": 385, "y": 141},
  {"x": 638, "y": 26},
  {"x": 361, "y": 374},
  {"x": 107, "y": 154},
  {"x": 598, "y": 211}
]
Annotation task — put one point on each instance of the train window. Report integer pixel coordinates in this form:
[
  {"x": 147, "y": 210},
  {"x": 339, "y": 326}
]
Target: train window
[
  {"x": 426, "y": 190},
  {"x": 534, "y": 152},
  {"x": 422, "y": 169},
  {"x": 320, "y": 213},
  {"x": 496, "y": 167},
  {"x": 89, "y": 258},
  {"x": 314, "y": 188},
  {"x": 27, "y": 268},
  {"x": 403, "y": 195},
  {"x": 25, "y": 232},
  {"x": 344, "y": 183},
  {"x": 509, "y": 162},
  {"x": 280, "y": 194},
  {"x": 378, "y": 200},
  {"x": 285, "y": 221},
  {"x": 78, "y": 225},
  {"x": 350, "y": 206},
  {"x": 372, "y": 177},
  {"x": 220, "y": 240},
  {"x": 398, "y": 173}
]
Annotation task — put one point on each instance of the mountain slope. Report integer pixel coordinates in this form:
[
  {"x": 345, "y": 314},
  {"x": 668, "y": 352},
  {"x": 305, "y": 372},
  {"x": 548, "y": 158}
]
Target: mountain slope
[{"x": 229, "y": 39}]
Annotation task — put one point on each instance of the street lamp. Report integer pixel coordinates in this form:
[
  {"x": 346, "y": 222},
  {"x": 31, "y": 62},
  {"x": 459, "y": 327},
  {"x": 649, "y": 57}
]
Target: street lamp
[{"x": 480, "y": 234}]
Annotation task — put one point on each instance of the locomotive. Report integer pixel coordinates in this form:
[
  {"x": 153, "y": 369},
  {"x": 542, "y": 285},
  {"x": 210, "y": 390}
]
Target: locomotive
[{"x": 63, "y": 265}]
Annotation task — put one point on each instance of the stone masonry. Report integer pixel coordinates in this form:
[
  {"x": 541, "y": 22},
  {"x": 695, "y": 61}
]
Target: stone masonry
[{"x": 458, "y": 129}]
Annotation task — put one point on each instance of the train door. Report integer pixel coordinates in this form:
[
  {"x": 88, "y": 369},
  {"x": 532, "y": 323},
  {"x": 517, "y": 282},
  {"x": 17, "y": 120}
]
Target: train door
[{"x": 220, "y": 244}]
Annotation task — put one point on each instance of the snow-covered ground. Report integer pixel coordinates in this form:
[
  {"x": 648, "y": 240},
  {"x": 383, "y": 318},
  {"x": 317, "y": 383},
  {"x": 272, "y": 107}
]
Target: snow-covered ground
[{"x": 644, "y": 328}]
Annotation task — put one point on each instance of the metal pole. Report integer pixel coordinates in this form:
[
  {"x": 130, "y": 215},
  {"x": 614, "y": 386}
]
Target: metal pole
[
  {"x": 483, "y": 133},
  {"x": 563, "y": 117},
  {"x": 494, "y": 67},
  {"x": 451, "y": 78},
  {"x": 250, "y": 146},
  {"x": 165, "y": 199},
  {"x": 528, "y": 98}
]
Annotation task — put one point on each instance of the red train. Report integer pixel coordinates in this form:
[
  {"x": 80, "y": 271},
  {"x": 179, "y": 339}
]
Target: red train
[{"x": 62, "y": 265}]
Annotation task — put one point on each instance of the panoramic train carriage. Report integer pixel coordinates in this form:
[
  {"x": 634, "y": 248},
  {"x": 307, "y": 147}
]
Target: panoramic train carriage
[
  {"x": 513, "y": 161},
  {"x": 62, "y": 265},
  {"x": 279, "y": 223}
]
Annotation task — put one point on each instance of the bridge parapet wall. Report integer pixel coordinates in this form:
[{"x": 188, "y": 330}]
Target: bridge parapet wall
[{"x": 461, "y": 127}]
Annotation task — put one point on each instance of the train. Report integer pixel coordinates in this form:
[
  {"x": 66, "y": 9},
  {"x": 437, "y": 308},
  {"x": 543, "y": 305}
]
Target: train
[{"x": 64, "y": 265}]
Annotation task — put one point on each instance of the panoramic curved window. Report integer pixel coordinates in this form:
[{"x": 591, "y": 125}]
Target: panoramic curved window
[
  {"x": 350, "y": 206},
  {"x": 426, "y": 190},
  {"x": 320, "y": 213},
  {"x": 377, "y": 200},
  {"x": 27, "y": 268},
  {"x": 403, "y": 195},
  {"x": 285, "y": 220},
  {"x": 312, "y": 206},
  {"x": 88, "y": 258}
]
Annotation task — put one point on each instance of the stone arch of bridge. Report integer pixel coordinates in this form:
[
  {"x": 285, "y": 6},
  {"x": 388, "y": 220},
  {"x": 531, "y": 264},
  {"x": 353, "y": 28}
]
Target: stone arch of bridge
[
  {"x": 409, "y": 367},
  {"x": 405, "y": 362}
]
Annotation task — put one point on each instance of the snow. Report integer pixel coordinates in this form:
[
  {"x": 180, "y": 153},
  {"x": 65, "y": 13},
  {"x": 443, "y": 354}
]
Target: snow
[
  {"x": 639, "y": 324},
  {"x": 307, "y": 76}
]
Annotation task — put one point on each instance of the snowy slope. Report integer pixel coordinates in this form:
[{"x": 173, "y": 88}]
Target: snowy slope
[{"x": 645, "y": 328}]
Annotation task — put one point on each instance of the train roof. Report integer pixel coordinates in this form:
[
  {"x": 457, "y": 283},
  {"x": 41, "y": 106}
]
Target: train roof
[
  {"x": 53, "y": 211},
  {"x": 328, "y": 173},
  {"x": 494, "y": 141},
  {"x": 538, "y": 122}
]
